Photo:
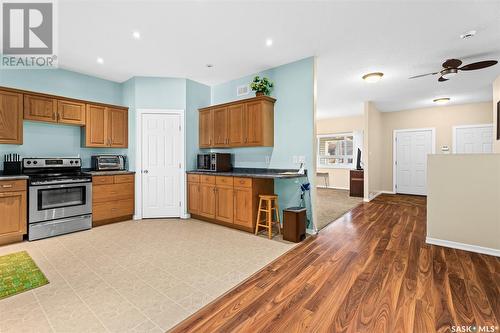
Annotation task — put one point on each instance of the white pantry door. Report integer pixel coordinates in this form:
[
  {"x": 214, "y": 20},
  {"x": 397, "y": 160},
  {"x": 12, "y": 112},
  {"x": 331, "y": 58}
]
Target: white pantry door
[
  {"x": 474, "y": 139},
  {"x": 412, "y": 148},
  {"x": 161, "y": 165}
]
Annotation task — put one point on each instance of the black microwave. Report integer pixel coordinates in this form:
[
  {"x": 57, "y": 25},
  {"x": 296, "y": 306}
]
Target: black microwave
[{"x": 216, "y": 162}]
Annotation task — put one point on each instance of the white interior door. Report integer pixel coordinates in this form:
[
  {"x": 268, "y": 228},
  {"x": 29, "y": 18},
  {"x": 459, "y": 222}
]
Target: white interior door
[
  {"x": 412, "y": 148},
  {"x": 475, "y": 139},
  {"x": 161, "y": 165}
]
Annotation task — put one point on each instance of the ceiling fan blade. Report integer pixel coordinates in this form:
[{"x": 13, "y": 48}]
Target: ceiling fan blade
[
  {"x": 442, "y": 79},
  {"x": 478, "y": 65},
  {"x": 452, "y": 63},
  {"x": 422, "y": 75}
]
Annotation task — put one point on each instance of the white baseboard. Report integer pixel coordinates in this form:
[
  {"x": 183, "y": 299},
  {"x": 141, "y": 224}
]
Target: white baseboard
[
  {"x": 462, "y": 246},
  {"x": 311, "y": 231},
  {"x": 377, "y": 194},
  {"x": 333, "y": 187},
  {"x": 136, "y": 217},
  {"x": 186, "y": 216}
]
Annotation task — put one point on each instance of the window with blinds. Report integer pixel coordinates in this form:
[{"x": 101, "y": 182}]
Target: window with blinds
[{"x": 335, "y": 150}]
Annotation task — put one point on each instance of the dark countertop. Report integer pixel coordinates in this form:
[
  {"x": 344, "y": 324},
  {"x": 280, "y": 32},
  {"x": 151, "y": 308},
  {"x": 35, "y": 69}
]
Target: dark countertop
[
  {"x": 108, "y": 173},
  {"x": 12, "y": 177},
  {"x": 253, "y": 173}
]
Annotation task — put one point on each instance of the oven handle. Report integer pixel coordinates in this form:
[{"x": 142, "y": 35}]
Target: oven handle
[{"x": 44, "y": 187}]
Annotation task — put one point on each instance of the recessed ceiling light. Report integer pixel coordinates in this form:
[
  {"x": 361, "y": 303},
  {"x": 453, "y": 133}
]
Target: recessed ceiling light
[
  {"x": 441, "y": 101},
  {"x": 373, "y": 77},
  {"x": 136, "y": 35},
  {"x": 468, "y": 34},
  {"x": 269, "y": 42},
  {"x": 100, "y": 60},
  {"x": 209, "y": 65}
]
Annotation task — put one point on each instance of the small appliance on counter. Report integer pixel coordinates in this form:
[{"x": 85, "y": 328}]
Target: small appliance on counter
[
  {"x": 215, "y": 162},
  {"x": 12, "y": 164},
  {"x": 108, "y": 162}
]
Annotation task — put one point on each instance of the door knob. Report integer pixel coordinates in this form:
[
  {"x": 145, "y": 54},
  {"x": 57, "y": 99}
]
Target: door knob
[{"x": 145, "y": 171}]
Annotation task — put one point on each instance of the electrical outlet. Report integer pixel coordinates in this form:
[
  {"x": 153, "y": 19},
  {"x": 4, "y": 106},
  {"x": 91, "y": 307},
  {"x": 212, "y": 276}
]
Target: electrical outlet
[
  {"x": 302, "y": 159},
  {"x": 268, "y": 159},
  {"x": 295, "y": 159}
]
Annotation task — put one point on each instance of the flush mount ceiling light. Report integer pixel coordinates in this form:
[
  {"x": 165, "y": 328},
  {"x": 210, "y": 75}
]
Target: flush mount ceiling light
[
  {"x": 136, "y": 35},
  {"x": 373, "y": 77},
  {"x": 468, "y": 34},
  {"x": 441, "y": 101},
  {"x": 269, "y": 42},
  {"x": 100, "y": 60}
]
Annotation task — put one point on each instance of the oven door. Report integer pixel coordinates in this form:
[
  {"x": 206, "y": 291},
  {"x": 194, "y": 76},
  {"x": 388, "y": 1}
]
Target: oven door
[{"x": 50, "y": 202}]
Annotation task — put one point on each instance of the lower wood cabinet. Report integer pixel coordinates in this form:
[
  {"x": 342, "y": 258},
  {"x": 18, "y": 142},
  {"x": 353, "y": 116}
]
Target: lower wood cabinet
[
  {"x": 13, "y": 220},
  {"x": 231, "y": 201},
  {"x": 112, "y": 199}
]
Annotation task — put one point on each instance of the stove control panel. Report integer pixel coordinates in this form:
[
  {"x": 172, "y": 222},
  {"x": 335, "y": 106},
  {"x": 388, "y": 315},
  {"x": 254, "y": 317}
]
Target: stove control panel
[{"x": 51, "y": 162}]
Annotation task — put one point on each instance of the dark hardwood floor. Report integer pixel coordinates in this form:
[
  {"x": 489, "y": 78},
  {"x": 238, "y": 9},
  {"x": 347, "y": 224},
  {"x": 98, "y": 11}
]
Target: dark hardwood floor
[{"x": 370, "y": 271}]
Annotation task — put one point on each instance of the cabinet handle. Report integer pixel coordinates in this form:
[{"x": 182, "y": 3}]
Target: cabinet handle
[{"x": 7, "y": 186}]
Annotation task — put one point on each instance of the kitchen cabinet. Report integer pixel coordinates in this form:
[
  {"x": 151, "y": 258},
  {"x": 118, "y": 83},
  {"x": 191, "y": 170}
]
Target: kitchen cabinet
[
  {"x": 72, "y": 113},
  {"x": 244, "y": 123},
  {"x": 13, "y": 223},
  {"x": 106, "y": 127},
  {"x": 206, "y": 128},
  {"x": 11, "y": 117},
  {"x": 40, "y": 108},
  {"x": 226, "y": 200},
  {"x": 112, "y": 199}
]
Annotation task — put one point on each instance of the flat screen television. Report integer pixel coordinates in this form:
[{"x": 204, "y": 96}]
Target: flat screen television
[{"x": 358, "y": 160}]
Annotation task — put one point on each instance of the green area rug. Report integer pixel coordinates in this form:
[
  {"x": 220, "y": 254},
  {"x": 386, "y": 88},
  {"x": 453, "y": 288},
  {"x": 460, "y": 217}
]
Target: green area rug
[{"x": 19, "y": 273}]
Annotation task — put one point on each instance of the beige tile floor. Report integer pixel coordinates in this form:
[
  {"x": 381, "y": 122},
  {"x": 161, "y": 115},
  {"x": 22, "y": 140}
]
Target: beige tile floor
[{"x": 133, "y": 276}]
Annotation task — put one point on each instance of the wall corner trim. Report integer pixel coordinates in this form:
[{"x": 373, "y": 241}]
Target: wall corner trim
[{"x": 463, "y": 246}]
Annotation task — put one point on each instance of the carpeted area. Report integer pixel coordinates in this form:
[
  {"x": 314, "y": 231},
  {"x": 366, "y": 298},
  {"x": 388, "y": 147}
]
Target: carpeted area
[
  {"x": 332, "y": 204},
  {"x": 19, "y": 273}
]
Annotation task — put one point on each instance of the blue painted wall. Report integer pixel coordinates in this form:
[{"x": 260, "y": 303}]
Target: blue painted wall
[
  {"x": 197, "y": 96},
  {"x": 42, "y": 139},
  {"x": 293, "y": 125}
]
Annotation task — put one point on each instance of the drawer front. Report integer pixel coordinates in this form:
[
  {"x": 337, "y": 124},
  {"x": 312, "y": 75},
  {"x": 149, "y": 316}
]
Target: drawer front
[
  {"x": 12, "y": 185},
  {"x": 207, "y": 179},
  {"x": 102, "y": 180},
  {"x": 112, "y": 209},
  {"x": 224, "y": 180},
  {"x": 120, "y": 179},
  {"x": 104, "y": 193},
  {"x": 242, "y": 182},
  {"x": 193, "y": 178}
]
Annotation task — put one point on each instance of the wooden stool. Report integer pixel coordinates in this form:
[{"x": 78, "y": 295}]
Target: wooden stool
[{"x": 271, "y": 203}]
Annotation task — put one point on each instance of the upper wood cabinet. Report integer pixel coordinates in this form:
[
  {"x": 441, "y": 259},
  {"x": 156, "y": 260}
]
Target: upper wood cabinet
[
  {"x": 118, "y": 127},
  {"x": 11, "y": 117},
  {"x": 40, "y": 108},
  {"x": 69, "y": 112},
  {"x": 206, "y": 126},
  {"x": 245, "y": 123},
  {"x": 106, "y": 127}
]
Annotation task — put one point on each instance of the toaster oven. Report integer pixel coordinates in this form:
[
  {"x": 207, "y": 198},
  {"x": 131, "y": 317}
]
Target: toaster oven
[{"x": 108, "y": 162}]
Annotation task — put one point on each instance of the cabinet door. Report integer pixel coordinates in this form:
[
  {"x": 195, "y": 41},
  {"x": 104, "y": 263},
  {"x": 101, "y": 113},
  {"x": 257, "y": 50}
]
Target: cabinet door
[
  {"x": 253, "y": 124},
  {"x": 207, "y": 200},
  {"x": 243, "y": 207},
  {"x": 206, "y": 128},
  {"x": 69, "y": 112},
  {"x": 224, "y": 204},
  {"x": 96, "y": 126},
  {"x": 13, "y": 212},
  {"x": 40, "y": 108},
  {"x": 236, "y": 125},
  {"x": 118, "y": 127},
  {"x": 11, "y": 117},
  {"x": 193, "y": 198},
  {"x": 220, "y": 127}
]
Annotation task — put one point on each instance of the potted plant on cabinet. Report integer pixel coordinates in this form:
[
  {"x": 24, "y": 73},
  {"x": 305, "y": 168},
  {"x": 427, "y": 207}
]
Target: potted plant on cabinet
[{"x": 261, "y": 86}]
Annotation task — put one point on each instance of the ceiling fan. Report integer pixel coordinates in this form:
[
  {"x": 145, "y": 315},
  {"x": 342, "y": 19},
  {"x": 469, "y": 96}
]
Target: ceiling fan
[{"x": 451, "y": 68}]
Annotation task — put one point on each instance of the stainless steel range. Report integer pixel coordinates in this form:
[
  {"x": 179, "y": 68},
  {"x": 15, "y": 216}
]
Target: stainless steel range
[{"x": 59, "y": 197}]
